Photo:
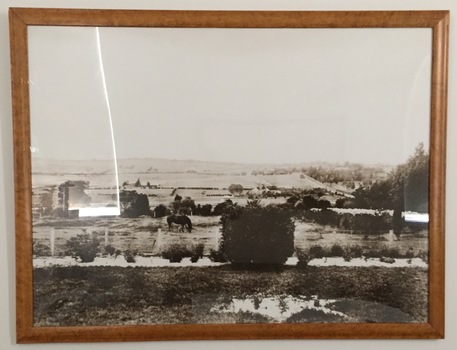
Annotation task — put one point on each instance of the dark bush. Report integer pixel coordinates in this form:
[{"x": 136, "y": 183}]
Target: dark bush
[
  {"x": 197, "y": 252},
  {"x": 410, "y": 253},
  {"x": 303, "y": 258},
  {"x": 160, "y": 211},
  {"x": 352, "y": 252},
  {"x": 345, "y": 221},
  {"x": 371, "y": 224},
  {"x": 134, "y": 204},
  {"x": 83, "y": 246},
  {"x": 317, "y": 252},
  {"x": 40, "y": 249},
  {"x": 424, "y": 255},
  {"x": 347, "y": 256},
  {"x": 223, "y": 207},
  {"x": 384, "y": 252},
  {"x": 356, "y": 251},
  {"x": 187, "y": 206},
  {"x": 257, "y": 235},
  {"x": 324, "y": 204},
  {"x": 293, "y": 200},
  {"x": 206, "y": 210},
  {"x": 310, "y": 201},
  {"x": 323, "y": 217},
  {"x": 130, "y": 255},
  {"x": 141, "y": 205},
  {"x": 336, "y": 250},
  {"x": 217, "y": 256},
  {"x": 110, "y": 250},
  {"x": 390, "y": 252},
  {"x": 176, "y": 252},
  {"x": 341, "y": 203},
  {"x": 366, "y": 224},
  {"x": 203, "y": 210}
]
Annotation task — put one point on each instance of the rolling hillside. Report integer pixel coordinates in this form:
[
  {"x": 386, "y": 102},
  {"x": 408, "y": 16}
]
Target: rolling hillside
[{"x": 168, "y": 173}]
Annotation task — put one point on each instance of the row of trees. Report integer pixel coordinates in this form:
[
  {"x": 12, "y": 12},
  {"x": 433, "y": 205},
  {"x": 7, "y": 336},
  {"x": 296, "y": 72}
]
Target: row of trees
[
  {"x": 308, "y": 201},
  {"x": 329, "y": 172},
  {"x": 135, "y": 204},
  {"x": 365, "y": 224},
  {"x": 348, "y": 173},
  {"x": 138, "y": 184}
]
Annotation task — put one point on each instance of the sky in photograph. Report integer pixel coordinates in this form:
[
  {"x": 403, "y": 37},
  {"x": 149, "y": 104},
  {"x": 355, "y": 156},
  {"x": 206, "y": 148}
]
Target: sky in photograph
[{"x": 234, "y": 95}]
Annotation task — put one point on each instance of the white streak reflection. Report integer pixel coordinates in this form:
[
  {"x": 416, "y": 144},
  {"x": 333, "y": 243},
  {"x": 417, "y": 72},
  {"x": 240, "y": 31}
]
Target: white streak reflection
[{"x": 105, "y": 211}]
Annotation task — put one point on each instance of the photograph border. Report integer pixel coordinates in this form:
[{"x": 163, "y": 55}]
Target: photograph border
[{"x": 21, "y": 18}]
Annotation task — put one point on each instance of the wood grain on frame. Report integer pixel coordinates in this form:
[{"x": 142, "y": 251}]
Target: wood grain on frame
[
  {"x": 231, "y": 19},
  {"x": 437, "y": 174},
  {"x": 21, "y": 18}
]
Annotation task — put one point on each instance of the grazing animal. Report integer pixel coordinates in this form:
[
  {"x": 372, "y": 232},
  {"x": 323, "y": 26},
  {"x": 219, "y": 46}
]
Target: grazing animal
[{"x": 182, "y": 220}]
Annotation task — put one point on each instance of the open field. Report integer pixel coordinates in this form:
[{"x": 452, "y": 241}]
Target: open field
[
  {"x": 142, "y": 234},
  {"x": 180, "y": 179},
  {"x": 74, "y": 296}
]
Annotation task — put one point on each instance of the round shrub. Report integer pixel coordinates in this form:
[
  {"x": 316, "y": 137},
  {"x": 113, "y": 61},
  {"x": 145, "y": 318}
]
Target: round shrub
[
  {"x": 83, "y": 246},
  {"x": 303, "y": 258},
  {"x": 40, "y": 249},
  {"x": 176, "y": 252},
  {"x": 217, "y": 256},
  {"x": 317, "y": 252},
  {"x": 130, "y": 255},
  {"x": 160, "y": 211},
  {"x": 336, "y": 250},
  {"x": 197, "y": 252}
]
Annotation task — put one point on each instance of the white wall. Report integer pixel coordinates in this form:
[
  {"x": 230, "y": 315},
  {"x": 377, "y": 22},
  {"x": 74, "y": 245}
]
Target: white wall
[{"x": 7, "y": 259}]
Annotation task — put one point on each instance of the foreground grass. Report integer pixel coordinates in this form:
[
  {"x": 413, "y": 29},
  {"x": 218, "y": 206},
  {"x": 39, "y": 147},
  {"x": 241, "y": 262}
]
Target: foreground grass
[{"x": 68, "y": 296}]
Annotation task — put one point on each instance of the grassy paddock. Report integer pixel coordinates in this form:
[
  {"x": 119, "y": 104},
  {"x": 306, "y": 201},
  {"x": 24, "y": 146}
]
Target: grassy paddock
[
  {"x": 126, "y": 233},
  {"x": 72, "y": 296}
]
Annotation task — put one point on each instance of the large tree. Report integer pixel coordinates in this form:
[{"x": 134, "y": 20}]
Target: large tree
[
  {"x": 405, "y": 189},
  {"x": 236, "y": 189},
  {"x": 410, "y": 186},
  {"x": 410, "y": 182},
  {"x": 134, "y": 204}
]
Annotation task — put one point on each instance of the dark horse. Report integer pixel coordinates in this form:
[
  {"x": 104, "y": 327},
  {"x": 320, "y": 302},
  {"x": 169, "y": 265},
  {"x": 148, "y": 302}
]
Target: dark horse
[{"x": 180, "y": 220}]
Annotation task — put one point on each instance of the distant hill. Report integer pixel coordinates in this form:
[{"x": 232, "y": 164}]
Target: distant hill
[
  {"x": 158, "y": 165},
  {"x": 177, "y": 173},
  {"x": 171, "y": 173},
  {"x": 143, "y": 165}
]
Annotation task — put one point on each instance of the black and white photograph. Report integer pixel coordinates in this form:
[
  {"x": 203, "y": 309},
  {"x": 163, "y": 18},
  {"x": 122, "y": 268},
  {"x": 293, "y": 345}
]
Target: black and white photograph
[{"x": 229, "y": 175}]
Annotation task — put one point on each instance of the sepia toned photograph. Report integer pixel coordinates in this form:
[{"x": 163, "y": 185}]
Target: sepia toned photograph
[{"x": 216, "y": 176}]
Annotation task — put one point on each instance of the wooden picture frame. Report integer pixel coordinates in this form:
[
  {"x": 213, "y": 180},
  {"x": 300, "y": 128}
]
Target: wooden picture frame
[{"x": 21, "y": 19}]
